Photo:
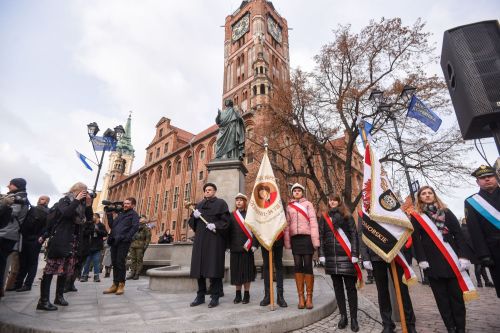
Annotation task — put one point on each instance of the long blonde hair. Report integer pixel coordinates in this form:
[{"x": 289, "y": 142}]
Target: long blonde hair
[
  {"x": 77, "y": 188},
  {"x": 419, "y": 205}
]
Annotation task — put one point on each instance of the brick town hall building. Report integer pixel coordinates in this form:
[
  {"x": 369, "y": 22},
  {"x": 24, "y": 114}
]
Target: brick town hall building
[{"x": 256, "y": 57}]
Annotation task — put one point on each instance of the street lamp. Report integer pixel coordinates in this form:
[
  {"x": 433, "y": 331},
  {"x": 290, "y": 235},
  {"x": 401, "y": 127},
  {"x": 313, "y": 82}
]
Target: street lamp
[
  {"x": 376, "y": 96},
  {"x": 107, "y": 142}
]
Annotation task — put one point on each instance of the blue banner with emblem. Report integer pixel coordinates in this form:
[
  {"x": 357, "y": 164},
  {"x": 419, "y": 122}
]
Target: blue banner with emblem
[
  {"x": 422, "y": 113},
  {"x": 103, "y": 143}
]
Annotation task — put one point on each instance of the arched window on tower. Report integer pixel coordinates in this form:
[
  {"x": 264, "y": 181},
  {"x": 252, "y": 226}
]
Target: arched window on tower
[
  {"x": 254, "y": 90},
  {"x": 262, "y": 89}
]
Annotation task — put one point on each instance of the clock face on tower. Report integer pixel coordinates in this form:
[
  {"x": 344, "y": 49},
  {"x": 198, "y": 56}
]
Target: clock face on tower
[
  {"x": 241, "y": 27},
  {"x": 274, "y": 29}
]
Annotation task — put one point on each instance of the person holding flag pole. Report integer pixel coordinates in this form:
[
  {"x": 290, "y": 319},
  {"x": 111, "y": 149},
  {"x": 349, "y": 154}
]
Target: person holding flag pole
[
  {"x": 339, "y": 253},
  {"x": 440, "y": 247},
  {"x": 267, "y": 220},
  {"x": 242, "y": 245},
  {"x": 385, "y": 229}
]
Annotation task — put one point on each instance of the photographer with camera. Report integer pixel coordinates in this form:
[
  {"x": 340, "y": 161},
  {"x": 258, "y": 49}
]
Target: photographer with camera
[
  {"x": 13, "y": 210},
  {"x": 72, "y": 211},
  {"x": 123, "y": 228}
]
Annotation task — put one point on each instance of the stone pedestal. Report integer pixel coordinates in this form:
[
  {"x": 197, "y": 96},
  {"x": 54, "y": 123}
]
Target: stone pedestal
[{"x": 229, "y": 177}]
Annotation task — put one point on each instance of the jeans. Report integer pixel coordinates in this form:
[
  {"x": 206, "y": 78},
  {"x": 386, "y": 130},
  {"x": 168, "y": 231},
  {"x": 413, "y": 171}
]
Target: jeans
[{"x": 95, "y": 259}]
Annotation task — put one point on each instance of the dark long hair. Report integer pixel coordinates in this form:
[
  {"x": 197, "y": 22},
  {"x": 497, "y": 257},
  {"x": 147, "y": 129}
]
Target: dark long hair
[{"x": 341, "y": 207}]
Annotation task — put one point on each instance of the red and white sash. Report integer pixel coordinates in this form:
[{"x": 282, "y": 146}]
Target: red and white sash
[
  {"x": 299, "y": 208},
  {"x": 464, "y": 281},
  {"x": 346, "y": 245},
  {"x": 409, "y": 277},
  {"x": 248, "y": 244}
]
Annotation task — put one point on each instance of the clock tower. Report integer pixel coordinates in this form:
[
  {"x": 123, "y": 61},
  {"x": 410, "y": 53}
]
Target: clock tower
[{"x": 255, "y": 54}]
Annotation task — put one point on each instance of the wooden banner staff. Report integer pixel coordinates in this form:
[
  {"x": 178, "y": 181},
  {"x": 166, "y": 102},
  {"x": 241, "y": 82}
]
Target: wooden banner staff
[
  {"x": 190, "y": 205},
  {"x": 395, "y": 278}
]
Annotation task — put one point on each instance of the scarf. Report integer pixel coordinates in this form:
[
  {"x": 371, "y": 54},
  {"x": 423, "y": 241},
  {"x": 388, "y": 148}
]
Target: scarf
[
  {"x": 80, "y": 217},
  {"x": 437, "y": 216}
]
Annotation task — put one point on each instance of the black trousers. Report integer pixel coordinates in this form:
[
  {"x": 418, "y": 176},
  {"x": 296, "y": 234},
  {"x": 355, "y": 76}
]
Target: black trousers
[
  {"x": 380, "y": 272},
  {"x": 352, "y": 295},
  {"x": 28, "y": 263},
  {"x": 119, "y": 253},
  {"x": 449, "y": 300},
  {"x": 215, "y": 287},
  {"x": 495, "y": 270},
  {"x": 278, "y": 266},
  {"x": 6, "y": 248}
]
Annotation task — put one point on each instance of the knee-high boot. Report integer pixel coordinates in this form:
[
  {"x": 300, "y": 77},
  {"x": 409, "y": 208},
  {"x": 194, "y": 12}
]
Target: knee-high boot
[
  {"x": 61, "y": 282},
  {"x": 299, "y": 281},
  {"x": 309, "y": 278},
  {"x": 352, "y": 298},
  {"x": 44, "y": 302}
]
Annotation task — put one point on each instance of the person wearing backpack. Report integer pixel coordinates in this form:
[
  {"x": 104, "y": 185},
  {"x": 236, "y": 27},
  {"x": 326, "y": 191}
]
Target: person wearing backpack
[
  {"x": 13, "y": 207},
  {"x": 74, "y": 209},
  {"x": 32, "y": 230}
]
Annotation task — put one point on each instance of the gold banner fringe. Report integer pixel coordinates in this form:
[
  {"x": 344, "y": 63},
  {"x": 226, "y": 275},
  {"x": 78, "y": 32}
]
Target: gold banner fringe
[
  {"x": 411, "y": 282},
  {"x": 470, "y": 295},
  {"x": 360, "y": 284}
]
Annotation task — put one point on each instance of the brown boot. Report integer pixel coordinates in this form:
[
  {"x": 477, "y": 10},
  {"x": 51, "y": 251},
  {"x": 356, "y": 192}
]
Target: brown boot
[
  {"x": 121, "y": 288},
  {"x": 299, "y": 281},
  {"x": 111, "y": 290},
  {"x": 309, "y": 278}
]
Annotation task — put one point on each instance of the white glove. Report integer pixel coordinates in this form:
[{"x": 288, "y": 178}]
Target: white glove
[
  {"x": 196, "y": 214},
  {"x": 322, "y": 260},
  {"x": 464, "y": 264},
  {"x": 423, "y": 264},
  {"x": 254, "y": 249},
  {"x": 368, "y": 265},
  {"x": 354, "y": 260},
  {"x": 211, "y": 227}
]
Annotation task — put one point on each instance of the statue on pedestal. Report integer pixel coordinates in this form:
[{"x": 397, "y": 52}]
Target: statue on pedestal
[{"x": 231, "y": 138}]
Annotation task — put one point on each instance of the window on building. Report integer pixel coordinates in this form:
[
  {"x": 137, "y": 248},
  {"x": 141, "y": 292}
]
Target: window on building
[
  {"x": 159, "y": 172},
  {"x": 202, "y": 154},
  {"x": 157, "y": 152},
  {"x": 250, "y": 158},
  {"x": 165, "y": 201},
  {"x": 162, "y": 227},
  {"x": 148, "y": 205},
  {"x": 187, "y": 192},
  {"x": 178, "y": 167},
  {"x": 165, "y": 148},
  {"x": 190, "y": 163},
  {"x": 262, "y": 89},
  {"x": 200, "y": 175},
  {"x": 169, "y": 170},
  {"x": 184, "y": 224},
  {"x": 173, "y": 225},
  {"x": 176, "y": 197},
  {"x": 150, "y": 157},
  {"x": 161, "y": 132},
  {"x": 254, "y": 90},
  {"x": 157, "y": 199}
]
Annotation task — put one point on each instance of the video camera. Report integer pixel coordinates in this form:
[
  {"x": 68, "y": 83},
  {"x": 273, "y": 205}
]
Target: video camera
[{"x": 110, "y": 206}]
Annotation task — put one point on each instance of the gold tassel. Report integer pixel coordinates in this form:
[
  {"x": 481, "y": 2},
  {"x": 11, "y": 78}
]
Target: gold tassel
[
  {"x": 470, "y": 295},
  {"x": 360, "y": 284},
  {"x": 412, "y": 281}
]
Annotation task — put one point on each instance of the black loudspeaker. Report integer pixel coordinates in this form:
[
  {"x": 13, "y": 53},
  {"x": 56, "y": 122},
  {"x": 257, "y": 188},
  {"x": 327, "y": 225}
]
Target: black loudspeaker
[{"x": 470, "y": 60}]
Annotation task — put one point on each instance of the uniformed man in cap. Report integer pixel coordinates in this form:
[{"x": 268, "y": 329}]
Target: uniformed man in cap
[
  {"x": 209, "y": 221},
  {"x": 482, "y": 212}
]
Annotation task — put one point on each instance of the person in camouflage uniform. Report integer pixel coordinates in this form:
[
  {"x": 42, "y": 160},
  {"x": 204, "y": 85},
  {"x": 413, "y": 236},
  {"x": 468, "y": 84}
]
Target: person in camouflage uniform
[{"x": 139, "y": 245}]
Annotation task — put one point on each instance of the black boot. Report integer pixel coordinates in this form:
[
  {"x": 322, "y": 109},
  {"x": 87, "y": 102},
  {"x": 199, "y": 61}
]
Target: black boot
[
  {"x": 388, "y": 329},
  {"x": 237, "y": 298},
  {"x": 214, "y": 301},
  {"x": 59, "y": 300},
  {"x": 246, "y": 297},
  {"x": 281, "y": 300},
  {"x": 342, "y": 322},
  {"x": 354, "y": 324},
  {"x": 43, "y": 302},
  {"x": 197, "y": 301},
  {"x": 70, "y": 284},
  {"x": 266, "y": 300}
]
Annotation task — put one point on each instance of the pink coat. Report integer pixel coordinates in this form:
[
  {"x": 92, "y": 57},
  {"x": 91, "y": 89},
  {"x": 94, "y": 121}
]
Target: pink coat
[{"x": 298, "y": 224}]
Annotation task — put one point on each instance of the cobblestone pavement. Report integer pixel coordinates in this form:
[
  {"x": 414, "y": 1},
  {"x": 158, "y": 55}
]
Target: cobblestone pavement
[{"x": 483, "y": 315}]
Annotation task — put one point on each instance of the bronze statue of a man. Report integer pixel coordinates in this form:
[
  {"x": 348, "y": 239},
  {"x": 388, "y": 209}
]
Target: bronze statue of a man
[{"x": 231, "y": 138}]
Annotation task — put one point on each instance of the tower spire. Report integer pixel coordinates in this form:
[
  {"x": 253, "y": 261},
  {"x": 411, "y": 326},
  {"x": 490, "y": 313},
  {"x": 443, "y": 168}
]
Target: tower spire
[{"x": 125, "y": 144}]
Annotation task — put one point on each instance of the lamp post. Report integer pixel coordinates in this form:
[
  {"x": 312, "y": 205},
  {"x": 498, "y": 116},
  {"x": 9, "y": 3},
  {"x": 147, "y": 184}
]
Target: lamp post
[
  {"x": 376, "y": 96},
  {"x": 108, "y": 141}
]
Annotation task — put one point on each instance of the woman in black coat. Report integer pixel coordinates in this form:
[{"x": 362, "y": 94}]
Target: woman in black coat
[
  {"x": 337, "y": 263},
  {"x": 242, "y": 249},
  {"x": 442, "y": 279},
  {"x": 74, "y": 209}
]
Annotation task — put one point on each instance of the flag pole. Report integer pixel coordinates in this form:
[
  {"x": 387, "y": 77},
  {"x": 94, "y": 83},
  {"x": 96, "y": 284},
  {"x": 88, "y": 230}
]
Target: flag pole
[{"x": 395, "y": 279}]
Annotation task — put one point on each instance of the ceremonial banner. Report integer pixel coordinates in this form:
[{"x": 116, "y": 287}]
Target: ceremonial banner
[
  {"x": 386, "y": 227},
  {"x": 421, "y": 112},
  {"x": 265, "y": 215}
]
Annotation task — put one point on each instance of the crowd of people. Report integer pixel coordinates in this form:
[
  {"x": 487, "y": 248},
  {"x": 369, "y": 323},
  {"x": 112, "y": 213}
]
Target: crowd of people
[{"x": 77, "y": 241}]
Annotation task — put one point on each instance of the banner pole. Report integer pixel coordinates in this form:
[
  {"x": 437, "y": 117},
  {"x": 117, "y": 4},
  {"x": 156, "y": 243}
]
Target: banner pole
[
  {"x": 398, "y": 296},
  {"x": 271, "y": 280}
]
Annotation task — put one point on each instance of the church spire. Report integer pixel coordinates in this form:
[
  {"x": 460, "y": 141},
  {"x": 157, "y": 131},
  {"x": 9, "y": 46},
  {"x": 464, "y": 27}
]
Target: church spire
[{"x": 124, "y": 146}]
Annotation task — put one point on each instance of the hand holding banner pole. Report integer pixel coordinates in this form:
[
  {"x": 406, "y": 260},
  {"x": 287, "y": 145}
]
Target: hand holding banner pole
[{"x": 190, "y": 205}]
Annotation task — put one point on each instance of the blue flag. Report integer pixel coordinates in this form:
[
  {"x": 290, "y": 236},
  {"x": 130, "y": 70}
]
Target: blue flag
[
  {"x": 368, "y": 128},
  {"x": 83, "y": 159},
  {"x": 421, "y": 112},
  {"x": 103, "y": 143}
]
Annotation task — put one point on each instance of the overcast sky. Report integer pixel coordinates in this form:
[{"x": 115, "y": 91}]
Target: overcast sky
[{"x": 64, "y": 64}]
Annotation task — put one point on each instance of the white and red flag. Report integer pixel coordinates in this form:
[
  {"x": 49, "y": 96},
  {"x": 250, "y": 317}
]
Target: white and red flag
[{"x": 265, "y": 215}]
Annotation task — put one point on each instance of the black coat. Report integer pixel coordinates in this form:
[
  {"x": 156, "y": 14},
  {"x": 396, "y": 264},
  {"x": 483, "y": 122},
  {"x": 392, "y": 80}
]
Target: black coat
[
  {"x": 485, "y": 237},
  {"x": 63, "y": 230},
  {"x": 83, "y": 233},
  {"x": 209, "y": 248},
  {"x": 426, "y": 250},
  {"x": 469, "y": 247},
  {"x": 34, "y": 224},
  {"x": 98, "y": 232},
  {"x": 237, "y": 237},
  {"x": 337, "y": 261},
  {"x": 124, "y": 226}
]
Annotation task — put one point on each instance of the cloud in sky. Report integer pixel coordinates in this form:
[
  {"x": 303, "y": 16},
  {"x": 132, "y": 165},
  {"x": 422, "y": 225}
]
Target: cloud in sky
[{"x": 67, "y": 63}]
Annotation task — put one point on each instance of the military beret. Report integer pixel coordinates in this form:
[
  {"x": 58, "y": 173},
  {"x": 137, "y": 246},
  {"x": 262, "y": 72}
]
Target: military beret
[
  {"x": 484, "y": 170},
  {"x": 209, "y": 184}
]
